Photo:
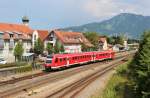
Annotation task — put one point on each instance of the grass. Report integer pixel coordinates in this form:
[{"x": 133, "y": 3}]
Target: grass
[{"x": 119, "y": 85}]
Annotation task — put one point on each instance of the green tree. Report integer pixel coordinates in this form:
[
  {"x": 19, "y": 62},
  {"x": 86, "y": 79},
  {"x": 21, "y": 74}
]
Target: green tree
[
  {"x": 140, "y": 68},
  {"x": 116, "y": 40},
  {"x": 84, "y": 48},
  {"x": 111, "y": 40},
  {"x": 120, "y": 40},
  {"x": 18, "y": 51},
  {"x": 49, "y": 48},
  {"x": 93, "y": 37},
  {"x": 62, "y": 49},
  {"x": 57, "y": 47},
  {"x": 38, "y": 46}
]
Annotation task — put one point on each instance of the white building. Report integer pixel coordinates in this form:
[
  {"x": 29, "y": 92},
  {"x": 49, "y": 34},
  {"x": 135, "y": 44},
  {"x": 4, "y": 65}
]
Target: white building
[
  {"x": 70, "y": 40},
  {"x": 10, "y": 34}
]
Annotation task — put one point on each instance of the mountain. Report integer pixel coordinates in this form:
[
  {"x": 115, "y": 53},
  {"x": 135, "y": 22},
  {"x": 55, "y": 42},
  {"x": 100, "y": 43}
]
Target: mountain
[{"x": 131, "y": 25}]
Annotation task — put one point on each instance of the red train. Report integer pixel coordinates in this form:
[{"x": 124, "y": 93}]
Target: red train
[{"x": 63, "y": 60}]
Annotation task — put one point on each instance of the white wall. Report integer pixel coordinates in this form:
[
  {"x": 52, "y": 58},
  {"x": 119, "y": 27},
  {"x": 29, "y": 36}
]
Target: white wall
[
  {"x": 72, "y": 48},
  {"x": 8, "y": 54},
  {"x": 105, "y": 46},
  {"x": 27, "y": 45}
]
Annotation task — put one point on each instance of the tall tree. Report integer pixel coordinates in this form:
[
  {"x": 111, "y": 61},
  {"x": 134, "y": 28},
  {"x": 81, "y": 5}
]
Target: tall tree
[
  {"x": 111, "y": 40},
  {"x": 38, "y": 46},
  {"x": 93, "y": 37},
  {"x": 57, "y": 47},
  {"x": 49, "y": 48},
  {"x": 62, "y": 49},
  {"x": 84, "y": 47},
  {"x": 18, "y": 51},
  {"x": 116, "y": 40},
  {"x": 140, "y": 68}
]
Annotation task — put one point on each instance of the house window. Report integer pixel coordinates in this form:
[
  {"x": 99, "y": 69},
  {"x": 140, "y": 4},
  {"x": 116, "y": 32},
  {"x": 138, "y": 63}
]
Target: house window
[
  {"x": 11, "y": 44},
  {"x": 51, "y": 38},
  {"x": 1, "y": 51},
  {"x": 1, "y": 43},
  {"x": 10, "y": 50},
  {"x": 34, "y": 37},
  {"x": 11, "y": 35},
  {"x": 1, "y": 35}
]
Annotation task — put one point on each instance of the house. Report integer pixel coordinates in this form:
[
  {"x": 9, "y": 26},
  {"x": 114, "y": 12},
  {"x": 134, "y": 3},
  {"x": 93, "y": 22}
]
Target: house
[
  {"x": 118, "y": 47},
  {"x": 42, "y": 34},
  {"x": 103, "y": 45},
  {"x": 10, "y": 34},
  {"x": 71, "y": 41}
]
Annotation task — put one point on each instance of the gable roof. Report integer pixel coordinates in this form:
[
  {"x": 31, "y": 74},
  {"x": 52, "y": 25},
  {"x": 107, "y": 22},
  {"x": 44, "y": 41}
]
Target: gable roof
[
  {"x": 15, "y": 28},
  {"x": 43, "y": 34},
  {"x": 72, "y": 38}
]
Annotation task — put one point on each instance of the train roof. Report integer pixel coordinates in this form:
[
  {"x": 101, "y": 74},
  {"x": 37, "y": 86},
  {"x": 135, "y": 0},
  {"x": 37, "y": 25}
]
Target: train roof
[{"x": 79, "y": 54}]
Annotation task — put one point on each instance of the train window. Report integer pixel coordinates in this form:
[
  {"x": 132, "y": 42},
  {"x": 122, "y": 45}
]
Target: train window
[
  {"x": 60, "y": 59},
  {"x": 64, "y": 59},
  {"x": 56, "y": 60},
  {"x": 75, "y": 58}
]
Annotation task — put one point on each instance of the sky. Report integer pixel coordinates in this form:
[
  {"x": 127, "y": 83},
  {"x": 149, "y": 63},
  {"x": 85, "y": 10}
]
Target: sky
[{"x": 54, "y": 14}]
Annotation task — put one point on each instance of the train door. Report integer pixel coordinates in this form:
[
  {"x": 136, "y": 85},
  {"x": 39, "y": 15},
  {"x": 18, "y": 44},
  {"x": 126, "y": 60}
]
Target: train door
[{"x": 67, "y": 61}]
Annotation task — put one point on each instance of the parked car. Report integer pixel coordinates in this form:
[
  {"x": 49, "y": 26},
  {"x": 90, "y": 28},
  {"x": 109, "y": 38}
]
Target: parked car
[{"x": 2, "y": 61}]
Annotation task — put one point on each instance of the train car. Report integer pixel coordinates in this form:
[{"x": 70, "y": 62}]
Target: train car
[{"x": 64, "y": 60}]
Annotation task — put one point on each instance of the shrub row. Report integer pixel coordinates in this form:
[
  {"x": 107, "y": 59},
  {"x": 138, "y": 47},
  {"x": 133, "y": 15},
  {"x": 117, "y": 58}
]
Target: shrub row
[
  {"x": 23, "y": 68},
  {"x": 13, "y": 64}
]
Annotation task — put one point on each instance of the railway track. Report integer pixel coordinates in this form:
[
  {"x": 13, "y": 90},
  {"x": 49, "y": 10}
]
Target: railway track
[
  {"x": 31, "y": 76},
  {"x": 46, "y": 80},
  {"x": 14, "y": 80},
  {"x": 72, "y": 90}
]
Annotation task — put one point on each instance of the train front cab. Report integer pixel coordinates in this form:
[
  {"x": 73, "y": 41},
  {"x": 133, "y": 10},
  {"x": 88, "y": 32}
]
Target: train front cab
[{"x": 48, "y": 64}]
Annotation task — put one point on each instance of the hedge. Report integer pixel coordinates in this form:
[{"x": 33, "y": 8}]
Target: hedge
[
  {"x": 23, "y": 69},
  {"x": 13, "y": 64}
]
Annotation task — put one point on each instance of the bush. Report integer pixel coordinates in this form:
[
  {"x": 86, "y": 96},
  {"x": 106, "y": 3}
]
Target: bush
[
  {"x": 121, "y": 70},
  {"x": 23, "y": 69},
  {"x": 13, "y": 64},
  {"x": 7, "y": 65}
]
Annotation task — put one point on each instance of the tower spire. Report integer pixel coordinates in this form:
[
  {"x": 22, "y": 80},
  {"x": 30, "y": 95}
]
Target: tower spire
[{"x": 25, "y": 20}]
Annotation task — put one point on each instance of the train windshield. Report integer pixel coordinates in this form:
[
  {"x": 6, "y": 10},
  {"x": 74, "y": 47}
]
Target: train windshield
[{"x": 49, "y": 61}]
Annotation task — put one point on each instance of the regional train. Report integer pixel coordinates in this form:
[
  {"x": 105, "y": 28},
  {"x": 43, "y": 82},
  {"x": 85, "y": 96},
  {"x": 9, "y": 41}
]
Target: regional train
[{"x": 65, "y": 60}]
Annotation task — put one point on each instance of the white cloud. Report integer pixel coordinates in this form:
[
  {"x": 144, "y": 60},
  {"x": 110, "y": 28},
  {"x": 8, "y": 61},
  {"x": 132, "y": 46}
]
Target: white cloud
[{"x": 107, "y": 8}]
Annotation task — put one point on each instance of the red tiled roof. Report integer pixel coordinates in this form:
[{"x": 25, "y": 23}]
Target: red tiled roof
[
  {"x": 72, "y": 38},
  {"x": 43, "y": 34},
  {"x": 15, "y": 28}
]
